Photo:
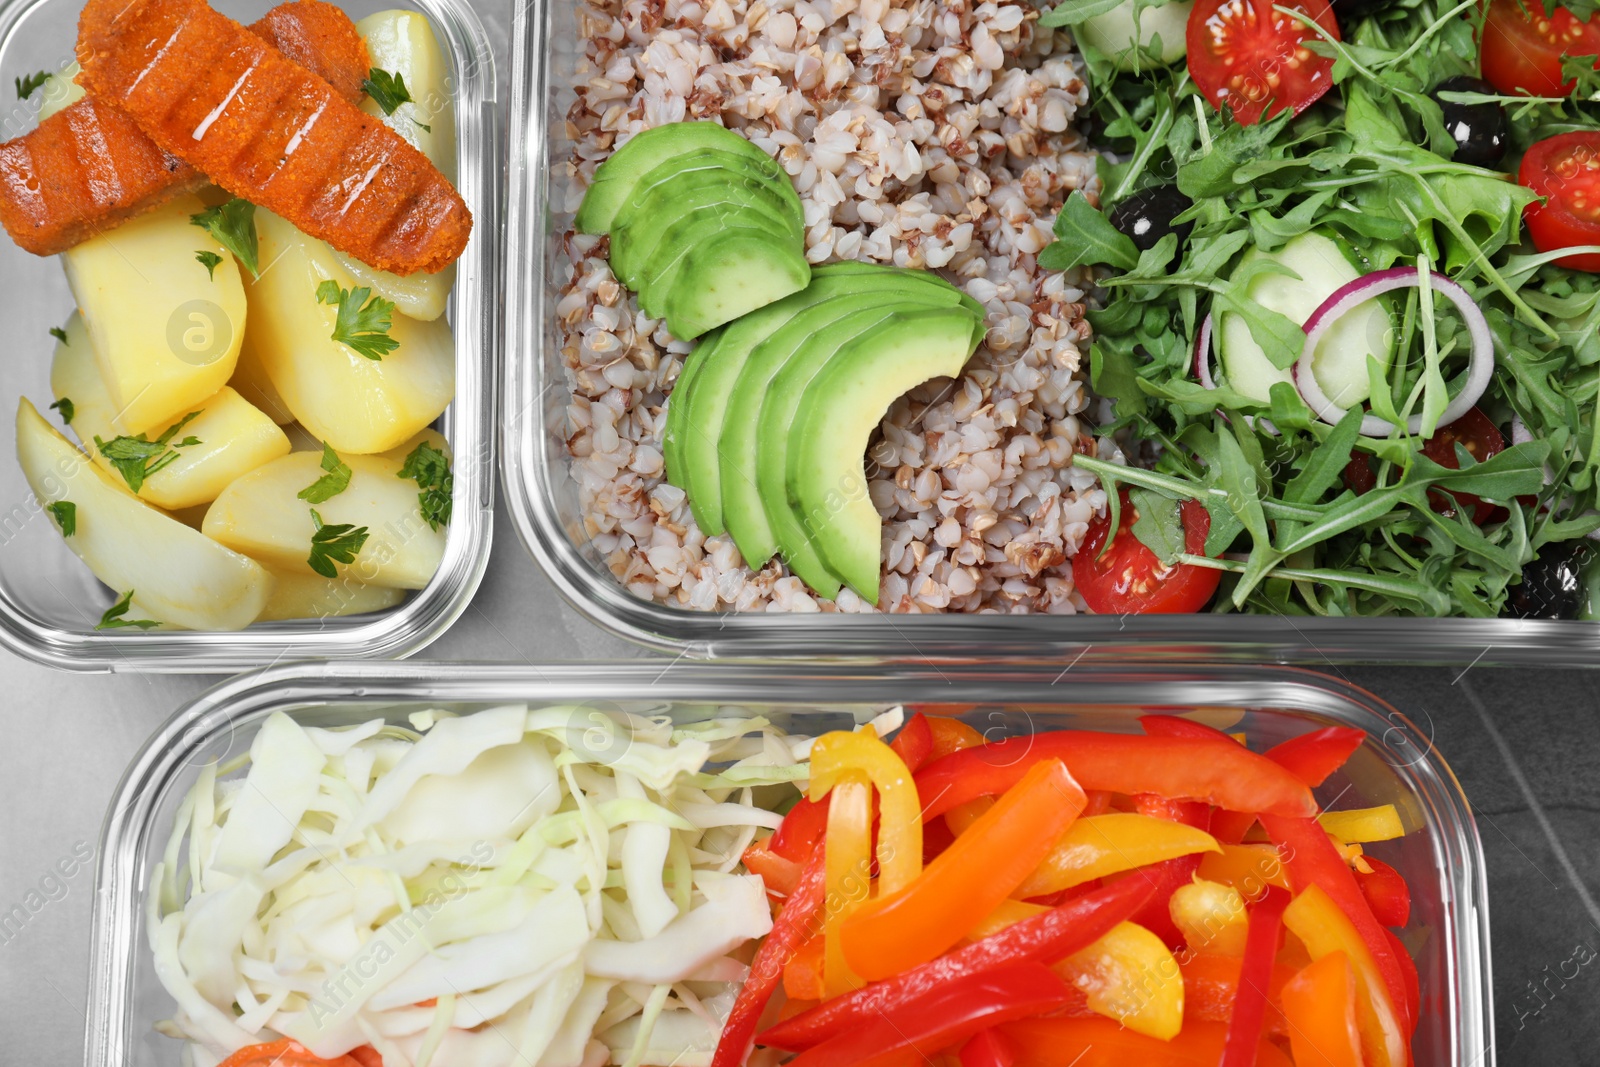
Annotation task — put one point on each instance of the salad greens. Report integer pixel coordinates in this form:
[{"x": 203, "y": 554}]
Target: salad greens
[{"x": 1368, "y": 165}]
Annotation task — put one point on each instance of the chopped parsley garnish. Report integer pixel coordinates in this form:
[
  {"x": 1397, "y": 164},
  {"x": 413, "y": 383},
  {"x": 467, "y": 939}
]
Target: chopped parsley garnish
[
  {"x": 27, "y": 84},
  {"x": 389, "y": 91},
  {"x": 337, "y": 543},
  {"x": 210, "y": 261},
  {"x": 64, "y": 405},
  {"x": 66, "y": 514},
  {"x": 137, "y": 458},
  {"x": 430, "y": 469},
  {"x": 113, "y": 618},
  {"x": 330, "y": 485},
  {"x": 234, "y": 226},
  {"x": 362, "y": 324},
  {"x": 59, "y": 334}
]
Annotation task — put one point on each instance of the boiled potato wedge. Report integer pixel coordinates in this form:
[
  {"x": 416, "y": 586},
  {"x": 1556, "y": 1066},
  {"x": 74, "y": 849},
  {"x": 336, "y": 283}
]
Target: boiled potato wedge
[
  {"x": 250, "y": 381},
  {"x": 178, "y": 576},
  {"x": 311, "y": 596},
  {"x": 165, "y": 333},
  {"x": 60, "y": 90},
  {"x": 358, "y": 405},
  {"x": 263, "y": 516}
]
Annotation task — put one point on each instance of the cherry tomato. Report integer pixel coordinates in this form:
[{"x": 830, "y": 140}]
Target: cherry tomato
[
  {"x": 1482, "y": 439},
  {"x": 1522, "y": 47},
  {"x": 1359, "y": 474},
  {"x": 1252, "y": 59},
  {"x": 1565, "y": 170},
  {"x": 1130, "y": 579}
]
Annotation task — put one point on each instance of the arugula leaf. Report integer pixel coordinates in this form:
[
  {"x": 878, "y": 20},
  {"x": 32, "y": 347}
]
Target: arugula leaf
[
  {"x": 1077, "y": 12},
  {"x": 234, "y": 226},
  {"x": 361, "y": 324},
  {"x": 65, "y": 406},
  {"x": 210, "y": 261},
  {"x": 59, "y": 334},
  {"x": 331, "y": 484},
  {"x": 137, "y": 458},
  {"x": 66, "y": 516},
  {"x": 27, "y": 84},
  {"x": 1086, "y": 237},
  {"x": 337, "y": 543},
  {"x": 113, "y": 617},
  {"x": 1159, "y": 525},
  {"x": 389, "y": 91},
  {"x": 430, "y": 469}
]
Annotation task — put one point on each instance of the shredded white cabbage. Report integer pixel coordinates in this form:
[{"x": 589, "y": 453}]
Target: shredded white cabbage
[{"x": 540, "y": 888}]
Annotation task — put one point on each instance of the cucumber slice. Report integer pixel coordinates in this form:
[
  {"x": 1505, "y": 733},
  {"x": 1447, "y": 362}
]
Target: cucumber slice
[
  {"x": 1122, "y": 40},
  {"x": 616, "y": 177}
]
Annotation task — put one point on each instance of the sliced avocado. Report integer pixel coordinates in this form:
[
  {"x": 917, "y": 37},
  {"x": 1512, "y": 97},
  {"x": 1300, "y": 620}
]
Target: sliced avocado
[
  {"x": 615, "y": 178},
  {"x": 660, "y": 276},
  {"x": 731, "y": 275},
  {"x": 700, "y": 398},
  {"x": 736, "y": 168},
  {"x": 825, "y": 468},
  {"x": 649, "y": 226}
]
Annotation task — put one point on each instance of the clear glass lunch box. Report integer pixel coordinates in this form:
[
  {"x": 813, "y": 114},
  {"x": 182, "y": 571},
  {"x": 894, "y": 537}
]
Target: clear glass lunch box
[
  {"x": 542, "y": 496},
  {"x": 49, "y": 602},
  {"x": 1440, "y": 855}
]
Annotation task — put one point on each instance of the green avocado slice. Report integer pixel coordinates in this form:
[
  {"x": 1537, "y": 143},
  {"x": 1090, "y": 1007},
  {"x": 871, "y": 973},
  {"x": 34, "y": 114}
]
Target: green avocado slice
[
  {"x": 615, "y": 179},
  {"x": 825, "y": 470},
  {"x": 651, "y": 228},
  {"x": 730, "y": 275}
]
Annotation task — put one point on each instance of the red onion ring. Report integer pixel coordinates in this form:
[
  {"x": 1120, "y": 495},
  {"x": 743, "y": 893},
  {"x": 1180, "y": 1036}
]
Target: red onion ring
[
  {"x": 1519, "y": 431},
  {"x": 1208, "y": 381},
  {"x": 1349, "y": 296}
]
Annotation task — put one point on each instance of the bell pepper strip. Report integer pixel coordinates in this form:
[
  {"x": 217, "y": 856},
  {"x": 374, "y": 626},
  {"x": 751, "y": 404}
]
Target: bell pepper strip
[
  {"x": 289, "y": 1054},
  {"x": 1188, "y": 812},
  {"x": 1219, "y": 772},
  {"x": 778, "y": 874},
  {"x": 1167, "y": 878},
  {"x": 1230, "y": 827},
  {"x": 1178, "y": 726},
  {"x": 1211, "y": 982},
  {"x": 366, "y": 1056},
  {"x": 1058, "y": 1042},
  {"x": 1211, "y": 917},
  {"x": 950, "y": 735},
  {"x": 914, "y": 743},
  {"x": 1314, "y": 862},
  {"x": 1028, "y": 934},
  {"x": 1408, "y": 968},
  {"x": 960, "y": 819},
  {"x": 1130, "y": 975},
  {"x": 1386, "y": 891},
  {"x": 899, "y": 930},
  {"x": 945, "y": 1016},
  {"x": 1249, "y": 869},
  {"x": 988, "y": 1048},
  {"x": 800, "y": 831},
  {"x": 848, "y": 847},
  {"x": 1324, "y": 928},
  {"x": 1108, "y": 844},
  {"x": 1319, "y": 1004},
  {"x": 1313, "y": 757},
  {"x": 1099, "y": 802},
  {"x": 1008, "y": 913},
  {"x": 899, "y": 851},
  {"x": 1363, "y": 825},
  {"x": 1246, "y": 1024},
  {"x": 790, "y": 1008},
  {"x": 802, "y": 974}
]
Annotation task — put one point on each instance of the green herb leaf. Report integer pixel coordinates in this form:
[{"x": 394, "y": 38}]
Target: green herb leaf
[
  {"x": 234, "y": 226},
  {"x": 210, "y": 261},
  {"x": 29, "y": 83},
  {"x": 387, "y": 90},
  {"x": 331, "y": 484},
  {"x": 64, "y": 405},
  {"x": 430, "y": 469},
  {"x": 137, "y": 458},
  {"x": 1159, "y": 525},
  {"x": 337, "y": 543},
  {"x": 362, "y": 324},
  {"x": 1077, "y": 12},
  {"x": 1086, "y": 237},
  {"x": 66, "y": 515},
  {"x": 113, "y": 617},
  {"x": 59, "y": 334}
]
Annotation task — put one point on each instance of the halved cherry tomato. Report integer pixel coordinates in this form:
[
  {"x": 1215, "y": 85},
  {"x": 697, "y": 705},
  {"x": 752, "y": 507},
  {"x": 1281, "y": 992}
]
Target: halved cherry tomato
[
  {"x": 1130, "y": 579},
  {"x": 1251, "y": 59},
  {"x": 1565, "y": 170},
  {"x": 1482, "y": 439},
  {"x": 1523, "y": 47}
]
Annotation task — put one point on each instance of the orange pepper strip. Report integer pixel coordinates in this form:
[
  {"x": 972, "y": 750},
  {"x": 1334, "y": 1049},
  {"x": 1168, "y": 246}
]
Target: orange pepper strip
[
  {"x": 1320, "y": 1005},
  {"x": 900, "y": 809},
  {"x": 1248, "y": 868},
  {"x": 898, "y": 931},
  {"x": 285, "y": 1053},
  {"x": 1317, "y": 921},
  {"x": 1054, "y": 1042},
  {"x": 1211, "y": 982},
  {"x": 848, "y": 858},
  {"x": 950, "y": 735},
  {"x": 802, "y": 975}
]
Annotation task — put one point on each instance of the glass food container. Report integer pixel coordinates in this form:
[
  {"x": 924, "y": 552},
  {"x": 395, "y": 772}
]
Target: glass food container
[
  {"x": 1440, "y": 855},
  {"x": 543, "y": 499},
  {"x": 49, "y": 602}
]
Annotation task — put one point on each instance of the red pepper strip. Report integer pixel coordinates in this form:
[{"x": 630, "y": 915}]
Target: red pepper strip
[
  {"x": 1313, "y": 757},
  {"x": 936, "y": 837},
  {"x": 1168, "y": 876},
  {"x": 1048, "y": 937},
  {"x": 914, "y": 743},
  {"x": 780, "y": 875},
  {"x": 367, "y": 1056},
  {"x": 1226, "y": 774},
  {"x": 1211, "y": 985},
  {"x": 1229, "y": 827},
  {"x": 1387, "y": 893},
  {"x": 1058, "y": 1041},
  {"x": 1408, "y": 969},
  {"x": 800, "y": 830},
  {"x": 1312, "y": 860},
  {"x": 988, "y": 1048},
  {"x": 1098, "y": 803},
  {"x": 1255, "y": 978},
  {"x": 946, "y": 1015},
  {"x": 1178, "y": 726},
  {"x": 288, "y": 1053},
  {"x": 799, "y": 921}
]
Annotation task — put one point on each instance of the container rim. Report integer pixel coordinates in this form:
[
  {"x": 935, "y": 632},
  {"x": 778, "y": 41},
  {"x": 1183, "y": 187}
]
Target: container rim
[
  {"x": 240, "y": 702},
  {"x": 469, "y": 424}
]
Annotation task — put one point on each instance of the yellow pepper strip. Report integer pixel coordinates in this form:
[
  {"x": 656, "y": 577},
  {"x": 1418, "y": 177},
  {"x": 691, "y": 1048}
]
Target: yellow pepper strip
[
  {"x": 1317, "y": 921},
  {"x": 1363, "y": 824},
  {"x": 1007, "y": 913},
  {"x": 1249, "y": 869},
  {"x": 1211, "y": 917},
  {"x": 848, "y": 872},
  {"x": 899, "y": 808},
  {"x": 1106, "y": 844},
  {"x": 1129, "y": 975},
  {"x": 961, "y": 817}
]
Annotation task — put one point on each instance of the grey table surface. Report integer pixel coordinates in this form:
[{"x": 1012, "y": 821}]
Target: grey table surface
[{"x": 1522, "y": 743}]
